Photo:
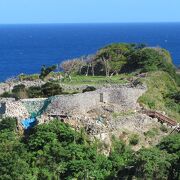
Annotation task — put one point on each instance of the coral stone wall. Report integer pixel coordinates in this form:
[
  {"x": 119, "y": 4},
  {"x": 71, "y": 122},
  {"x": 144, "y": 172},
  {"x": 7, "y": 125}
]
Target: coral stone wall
[
  {"x": 12, "y": 108},
  {"x": 121, "y": 98},
  {"x": 73, "y": 104},
  {"x": 33, "y": 105},
  {"x": 124, "y": 98}
]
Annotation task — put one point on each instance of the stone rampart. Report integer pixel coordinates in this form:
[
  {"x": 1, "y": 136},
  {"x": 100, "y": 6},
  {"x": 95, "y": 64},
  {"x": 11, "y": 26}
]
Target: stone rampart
[
  {"x": 124, "y": 98},
  {"x": 119, "y": 98}
]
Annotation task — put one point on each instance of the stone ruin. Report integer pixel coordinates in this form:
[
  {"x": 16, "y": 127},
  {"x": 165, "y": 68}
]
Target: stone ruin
[
  {"x": 121, "y": 99},
  {"x": 92, "y": 111},
  {"x": 93, "y": 104}
]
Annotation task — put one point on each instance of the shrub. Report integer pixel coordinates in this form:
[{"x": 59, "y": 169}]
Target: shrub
[
  {"x": 163, "y": 128},
  {"x": 35, "y": 92},
  {"x": 18, "y": 88},
  {"x": 19, "y": 91},
  {"x": 89, "y": 88},
  {"x": 8, "y": 123},
  {"x": 151, "y": 133},
  {"x": 51, "y": 89},
  {"x": 134, "y": 139},
  {"x": 178, "y": 79},
  {"x": 175, "y": 96},
  {"x": 137, "y": 82}
]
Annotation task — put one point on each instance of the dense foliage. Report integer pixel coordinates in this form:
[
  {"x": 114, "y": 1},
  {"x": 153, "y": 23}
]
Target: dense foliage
[
  {"x": 56, "y": 151},
  {"x": 117, "y": 58}
]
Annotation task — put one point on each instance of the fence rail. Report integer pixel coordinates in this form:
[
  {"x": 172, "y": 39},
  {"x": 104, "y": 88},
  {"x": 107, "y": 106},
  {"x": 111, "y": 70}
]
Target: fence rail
[{"x": 162, "y": 118}]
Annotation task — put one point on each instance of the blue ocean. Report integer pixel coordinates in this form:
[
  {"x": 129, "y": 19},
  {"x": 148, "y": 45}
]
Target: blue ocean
[{"x": 24, "y": 48}]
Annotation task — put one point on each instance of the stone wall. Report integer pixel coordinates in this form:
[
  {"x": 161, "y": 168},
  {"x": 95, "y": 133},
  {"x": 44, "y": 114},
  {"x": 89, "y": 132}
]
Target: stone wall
[
  {"x": 12, "y": 108},
  {"x": 33, "y": 105},
  {"x": 73, "y": 104},
  {"x": 117, "y": 98},
  {"x": 123, "y": 98}
]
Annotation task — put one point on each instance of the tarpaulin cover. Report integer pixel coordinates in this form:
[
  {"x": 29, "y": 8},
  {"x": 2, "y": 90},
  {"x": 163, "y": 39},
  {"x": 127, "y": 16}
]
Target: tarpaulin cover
[{"x": 28, "y": 123}]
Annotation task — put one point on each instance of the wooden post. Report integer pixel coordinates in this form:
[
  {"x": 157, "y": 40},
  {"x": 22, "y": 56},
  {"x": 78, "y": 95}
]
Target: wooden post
[{"x": 101, "y": 97}]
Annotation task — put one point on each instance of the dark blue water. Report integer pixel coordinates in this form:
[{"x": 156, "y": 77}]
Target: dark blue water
[{"x": 24, "y": 48}]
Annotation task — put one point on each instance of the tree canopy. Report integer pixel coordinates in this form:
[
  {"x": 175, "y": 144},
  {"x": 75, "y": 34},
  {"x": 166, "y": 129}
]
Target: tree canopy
[{"x": 121, "y": 57}]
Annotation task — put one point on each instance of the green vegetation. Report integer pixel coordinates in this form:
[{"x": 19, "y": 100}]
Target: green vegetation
[
  {"x": 35, "y": 92},
  {"x": 154, "y": 163},
  {"x": 162, "y": 94},
  {"x": 56, "y": 151},
  {"x": 118, "y": 58},
  {"x": 51, "y": 89},
  {"x": 163, "y": 128},
  {"x": 8, "y": 123},
  {"x": 134, "y": 139},
  {"x": 96, "y": 80},
  {"x": 19, "y": 91},
  {"x": 45, "y": 71},
  {"x": 151, "y": 133},
  {"x": 24, "y": 77},
  {"x": 123, "y": 113}
]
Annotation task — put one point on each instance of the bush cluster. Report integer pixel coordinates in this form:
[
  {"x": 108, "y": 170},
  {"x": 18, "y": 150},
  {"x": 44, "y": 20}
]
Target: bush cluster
[
  {"x": 46, "y": 90},
  {"x": 134, "y": 139},
  {"x": 56, "y": 151}
]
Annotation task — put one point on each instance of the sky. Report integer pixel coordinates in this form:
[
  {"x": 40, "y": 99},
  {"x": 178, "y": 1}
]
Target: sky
[{"x": 88, "y": 11}]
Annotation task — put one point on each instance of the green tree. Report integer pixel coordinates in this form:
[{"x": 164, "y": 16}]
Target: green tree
[
  {"x": 51, "y": 89},
  {"x": 120, "y": 156},
  {"x": 171, "y": 144},
  {"x": 45, "y": 71},
  {"x": 8, "y": 124},
  {"x": 114, "y": 57},
  {"x": 153, "y": 164}
]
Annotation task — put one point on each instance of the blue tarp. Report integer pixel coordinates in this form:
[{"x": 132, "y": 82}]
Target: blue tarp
[{"x": 28, "y": 123}]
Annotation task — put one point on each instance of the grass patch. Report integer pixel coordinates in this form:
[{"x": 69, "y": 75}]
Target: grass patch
[
  {"x": 122, "y": 114},
  {"x": 30, "y": 77},
  {"x": 160, "y": 85},
  {"x": 96, "y": 80},
  {"x": 152, "y": 133}
]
